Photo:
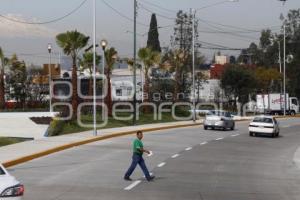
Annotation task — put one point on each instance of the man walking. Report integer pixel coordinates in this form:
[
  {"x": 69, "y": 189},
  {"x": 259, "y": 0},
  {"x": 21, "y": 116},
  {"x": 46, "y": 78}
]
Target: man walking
[{"x": 137, "y": 158}]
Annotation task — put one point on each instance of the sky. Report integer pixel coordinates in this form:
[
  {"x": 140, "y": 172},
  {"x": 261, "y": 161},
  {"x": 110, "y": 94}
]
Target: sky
[{"x": 229, "y": 24}]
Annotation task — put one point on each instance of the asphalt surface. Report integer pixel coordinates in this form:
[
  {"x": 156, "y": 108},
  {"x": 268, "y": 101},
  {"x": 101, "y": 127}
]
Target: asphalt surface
[{"x": 189, "y": 163}]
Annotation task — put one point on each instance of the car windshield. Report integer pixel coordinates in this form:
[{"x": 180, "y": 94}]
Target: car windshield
[
  {"x": 219, "y": 113},
  {"x": 263, "y": 120},
  {"x": 1, "y": 171}
]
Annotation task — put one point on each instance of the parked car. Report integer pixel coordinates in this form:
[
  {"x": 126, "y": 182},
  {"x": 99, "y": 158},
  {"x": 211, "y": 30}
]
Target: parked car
[
  {"x": 266, "y": 125},
  {"x": 217, "y": 119},
  {"x": 10, "y": 187}
]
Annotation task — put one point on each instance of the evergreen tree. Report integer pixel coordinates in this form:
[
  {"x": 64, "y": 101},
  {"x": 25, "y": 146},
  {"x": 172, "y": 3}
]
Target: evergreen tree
[{"x": 153, "y": 36}]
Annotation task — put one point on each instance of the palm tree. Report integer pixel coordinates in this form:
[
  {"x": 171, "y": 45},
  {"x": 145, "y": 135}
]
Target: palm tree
[
  {"x": 72, "y": 42},
  {"x": 149, "y": 59},
  {"x": 4, "y": 62},
  {"x": 87, "y": 63},
  {"x": 110, "y": 58},
  {"x": 177, "y": 59}
]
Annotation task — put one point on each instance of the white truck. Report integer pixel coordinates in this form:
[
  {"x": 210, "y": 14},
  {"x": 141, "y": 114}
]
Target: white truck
[{"x": 274, "y": 104}]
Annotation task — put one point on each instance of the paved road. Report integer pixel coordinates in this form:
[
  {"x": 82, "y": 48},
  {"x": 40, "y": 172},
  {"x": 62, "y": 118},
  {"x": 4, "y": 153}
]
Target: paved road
[{"x": 209, "y": 165}]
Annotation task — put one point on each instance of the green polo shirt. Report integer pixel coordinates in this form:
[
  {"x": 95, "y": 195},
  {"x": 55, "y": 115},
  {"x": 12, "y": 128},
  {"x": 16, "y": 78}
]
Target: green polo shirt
[{"x": 137, "y": 144}]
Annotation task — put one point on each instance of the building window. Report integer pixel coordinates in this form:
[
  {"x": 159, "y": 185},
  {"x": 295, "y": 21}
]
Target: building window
[{"x": 119, "y": 92}]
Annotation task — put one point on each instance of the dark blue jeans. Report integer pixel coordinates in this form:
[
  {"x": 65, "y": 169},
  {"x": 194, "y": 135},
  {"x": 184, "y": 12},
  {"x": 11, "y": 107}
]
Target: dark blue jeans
[{"x": 137, "y": 159}]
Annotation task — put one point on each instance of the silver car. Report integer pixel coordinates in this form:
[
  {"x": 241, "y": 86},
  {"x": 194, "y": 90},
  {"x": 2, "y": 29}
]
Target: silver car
[{"x": 217, "y": 119}]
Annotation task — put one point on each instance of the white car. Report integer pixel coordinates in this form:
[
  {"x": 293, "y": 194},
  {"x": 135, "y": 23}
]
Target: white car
[
  {"x": 217, "y": 119},
  {"x": 267, "y": 125},
  {"x": 10, "y": 188}
]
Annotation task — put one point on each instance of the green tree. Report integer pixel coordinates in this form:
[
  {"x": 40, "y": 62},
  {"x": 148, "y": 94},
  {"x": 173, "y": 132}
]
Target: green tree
[
  {"x": 153, "y": 36},
  {"x": 72, "y": 42},
  {"x": 87, "y": 62},
  {"x": 110, "y": 57},
  {"x": 149, "y": 59},
  {"x": 238, "y": 82},
  {"x": 267, "y": 78},
  {"x": 292, "y": 22},
  {"x": 4, "y": 63},
  {"x": 18, "y": 80}
]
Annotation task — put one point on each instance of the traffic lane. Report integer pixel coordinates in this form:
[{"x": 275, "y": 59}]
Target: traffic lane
[
  {"x": 102, "y": 164},
  {"x": 235, "y": 168}
]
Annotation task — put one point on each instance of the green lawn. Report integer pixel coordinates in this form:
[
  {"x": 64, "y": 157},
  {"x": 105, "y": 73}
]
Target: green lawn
[
  {"x": 9, "y": 140},
  {"x": 63, "y": 127}
]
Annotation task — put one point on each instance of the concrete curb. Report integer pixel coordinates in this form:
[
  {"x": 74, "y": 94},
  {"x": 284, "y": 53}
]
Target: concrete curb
[{"x": 86, "y": 141}]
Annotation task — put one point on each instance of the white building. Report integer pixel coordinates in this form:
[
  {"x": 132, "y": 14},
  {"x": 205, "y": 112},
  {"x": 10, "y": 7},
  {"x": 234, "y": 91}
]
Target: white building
[{"x": 222, "y": 60}]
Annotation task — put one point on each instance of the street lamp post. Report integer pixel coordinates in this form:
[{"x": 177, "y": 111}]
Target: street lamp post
[
  {"x": 284, "y": 67},
  {"x": 134, "y": 62},
  {"x": 94, "y": 70},
  {"x": 103, "y": 45},
  {"x": 193, "y": 57},
  {"x": 50, "y": 78}
]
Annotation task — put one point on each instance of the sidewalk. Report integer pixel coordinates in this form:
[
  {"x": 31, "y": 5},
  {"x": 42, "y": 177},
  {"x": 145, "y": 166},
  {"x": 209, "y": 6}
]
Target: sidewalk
[
  {"x": 21, "y": 152},
  {"x": 19, "y": 124}
]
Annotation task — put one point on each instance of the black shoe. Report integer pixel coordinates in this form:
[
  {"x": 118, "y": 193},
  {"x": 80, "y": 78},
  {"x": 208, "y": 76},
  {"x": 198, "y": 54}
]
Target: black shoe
[
  {"x": 127, "y": 178},
  {"x": 150, "y": 178}
]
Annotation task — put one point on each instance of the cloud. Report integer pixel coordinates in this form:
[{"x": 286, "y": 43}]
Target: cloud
[{"x": 10, "y": 29}]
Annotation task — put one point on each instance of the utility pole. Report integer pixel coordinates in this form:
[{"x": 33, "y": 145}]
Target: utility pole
[
  {"x": 94, "y": 71},
  {"x": 134, "y": 62},
  {"x": 284, "y": 67},
  {"x": 193, "y": 62}
]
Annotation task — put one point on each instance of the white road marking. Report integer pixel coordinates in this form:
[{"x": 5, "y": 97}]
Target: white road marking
[
  {"x": 175, "y": 156},
  {"x": 189, "y": 148},
  {"x": 135, "y": 183},
  {"x": 161, "y": 164},
  {"x": 287, "y": 126},
  {"x": 235, "y": 135},
  {"x": 203, "y": 143},
  {"x": 219, "y": 138}
]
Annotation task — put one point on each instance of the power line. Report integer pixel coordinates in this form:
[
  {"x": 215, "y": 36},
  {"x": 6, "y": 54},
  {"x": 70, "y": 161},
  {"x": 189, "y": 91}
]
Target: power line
[
  {"x": 121, "y": 14},
  {"x": 46, "y": 22},
  {"x": 160, "y": 7},
  {"x": 158, "y": 14}
]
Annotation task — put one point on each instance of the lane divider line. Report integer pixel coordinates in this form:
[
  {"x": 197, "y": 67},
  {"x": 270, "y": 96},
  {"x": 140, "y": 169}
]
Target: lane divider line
[
  {"x": 235, "y": 135},
  {"x": 203, "y": 143},
  {"x": 132, "y": 185},
  {"x": 219, "y": 139},
  {"x": 161, "y": 164},
  {"x": 189, "y": 148},
  {"x": 175, "y": 156}
]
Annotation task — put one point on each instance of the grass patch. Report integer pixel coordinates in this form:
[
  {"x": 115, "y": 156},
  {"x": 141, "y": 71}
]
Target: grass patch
[
  {"x": 67, "y": 127},
  {"x": 11, "y": 140}
]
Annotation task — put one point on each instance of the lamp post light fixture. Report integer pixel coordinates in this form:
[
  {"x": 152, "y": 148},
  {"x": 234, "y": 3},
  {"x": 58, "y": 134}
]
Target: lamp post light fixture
[
  {"x": 50, "y": 78},
  {"x": 104, "y": 44}
]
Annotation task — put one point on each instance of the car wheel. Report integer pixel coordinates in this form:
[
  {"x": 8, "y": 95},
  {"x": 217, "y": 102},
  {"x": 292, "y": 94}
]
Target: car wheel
[
  {"x": 250, "y": 134},
  {"x": 293, "y": 113},
  {"x": 205, "y": 127},
  {"x": 232, "y": 128},
  {"x": 274, "y": 135}
]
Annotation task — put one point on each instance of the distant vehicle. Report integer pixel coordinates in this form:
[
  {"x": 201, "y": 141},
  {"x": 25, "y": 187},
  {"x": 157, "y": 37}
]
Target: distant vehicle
[
  {"x": 266, "y": 125},
  {"x": 273, "y": 104},
  {"x": 217, "y": 119},
  {"x": 10, "y": 188}
]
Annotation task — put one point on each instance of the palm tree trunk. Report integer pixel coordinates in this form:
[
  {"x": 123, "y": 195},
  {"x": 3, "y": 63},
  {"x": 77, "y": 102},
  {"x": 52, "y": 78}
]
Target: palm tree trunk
[
  {"x": 2, "y": 91},
  {"x": 177, "y": 85},
  {"x": 146, "y": 109},
  {"x": 74, "y": 94},
  {"x": 108, "y": 98}
]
